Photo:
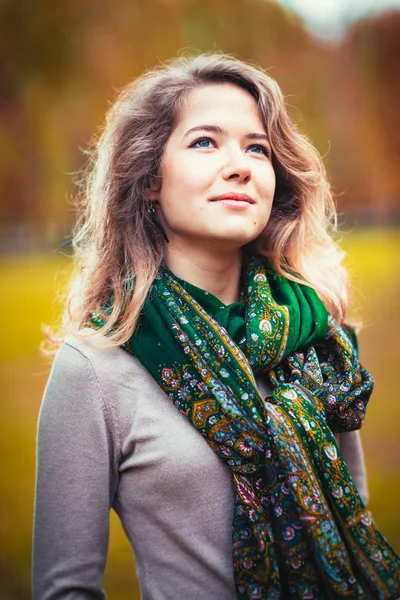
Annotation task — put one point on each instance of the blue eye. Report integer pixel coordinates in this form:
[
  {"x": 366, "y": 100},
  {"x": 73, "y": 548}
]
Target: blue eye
[
  {"x": 260, "y": 149},
  {"x": 202, "y": 143}
]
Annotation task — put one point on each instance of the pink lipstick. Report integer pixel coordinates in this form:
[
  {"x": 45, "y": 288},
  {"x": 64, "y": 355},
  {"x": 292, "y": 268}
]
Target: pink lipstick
[{"x": 234, "y": 200}]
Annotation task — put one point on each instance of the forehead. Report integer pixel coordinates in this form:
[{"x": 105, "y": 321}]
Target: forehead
[{"x": 218, "y": 103}]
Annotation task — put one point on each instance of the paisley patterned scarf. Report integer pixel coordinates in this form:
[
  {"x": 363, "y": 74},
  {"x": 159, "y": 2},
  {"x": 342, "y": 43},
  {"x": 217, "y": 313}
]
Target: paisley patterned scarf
[{"x": 300, "y": 529}]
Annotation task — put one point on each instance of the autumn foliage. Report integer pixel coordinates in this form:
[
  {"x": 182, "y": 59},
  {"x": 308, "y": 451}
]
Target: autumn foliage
[{"x": 61, "y": 64}]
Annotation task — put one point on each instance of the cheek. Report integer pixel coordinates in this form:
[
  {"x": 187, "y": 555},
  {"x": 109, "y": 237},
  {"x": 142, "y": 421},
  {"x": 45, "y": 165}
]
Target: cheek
[
  {"x": 177, "y": 186},
  {"x": 267, "y": 186},
  {"x": 169, "y": 178},
  {"x": 266, "y": 193},
  {"x": 263, "y": 217},
  {"x": 181, "y": 173}
]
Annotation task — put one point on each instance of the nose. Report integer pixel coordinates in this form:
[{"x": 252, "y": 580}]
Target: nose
[{"x": 237, "y": 167}]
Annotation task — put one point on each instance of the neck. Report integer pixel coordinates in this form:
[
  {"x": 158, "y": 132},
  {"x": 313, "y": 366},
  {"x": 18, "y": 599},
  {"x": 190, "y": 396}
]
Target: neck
[{"x": 216, "y": 273}]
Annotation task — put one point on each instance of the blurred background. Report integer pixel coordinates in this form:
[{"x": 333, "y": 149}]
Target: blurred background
[{"x": 61, "y": 66}]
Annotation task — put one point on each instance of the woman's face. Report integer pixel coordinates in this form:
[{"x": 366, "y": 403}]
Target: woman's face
[{"x": 217, "y": 180}]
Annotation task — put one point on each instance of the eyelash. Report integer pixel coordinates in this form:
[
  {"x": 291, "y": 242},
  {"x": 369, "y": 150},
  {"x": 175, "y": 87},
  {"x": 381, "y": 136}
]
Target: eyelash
[{"x": 265, "y": 150}]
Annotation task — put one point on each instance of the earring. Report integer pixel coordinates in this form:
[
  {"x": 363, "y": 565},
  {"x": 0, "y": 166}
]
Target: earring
[{"x": 152, "y": 211}]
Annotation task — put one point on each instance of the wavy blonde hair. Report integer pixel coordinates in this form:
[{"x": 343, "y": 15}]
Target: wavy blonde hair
[{"x": 116, "y": 241}]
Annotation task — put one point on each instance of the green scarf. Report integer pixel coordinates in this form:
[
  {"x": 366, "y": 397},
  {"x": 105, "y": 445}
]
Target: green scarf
[{"x": 300, "y": 529}]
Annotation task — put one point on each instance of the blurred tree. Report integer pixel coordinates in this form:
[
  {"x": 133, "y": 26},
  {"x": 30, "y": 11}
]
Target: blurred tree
[
  {"x": 379, "y": 44},
  {"x": 61, "y": 64}
]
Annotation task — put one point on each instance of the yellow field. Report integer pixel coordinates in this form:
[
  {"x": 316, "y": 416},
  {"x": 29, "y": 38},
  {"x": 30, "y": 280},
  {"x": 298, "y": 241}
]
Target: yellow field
[{"x": 29, "y": 286}]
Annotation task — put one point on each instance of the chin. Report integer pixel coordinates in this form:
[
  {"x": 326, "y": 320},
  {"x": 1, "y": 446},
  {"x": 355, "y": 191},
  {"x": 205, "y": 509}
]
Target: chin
[
  {"x": 244, "y": 235},
  {"x": 236, "y": 239}
]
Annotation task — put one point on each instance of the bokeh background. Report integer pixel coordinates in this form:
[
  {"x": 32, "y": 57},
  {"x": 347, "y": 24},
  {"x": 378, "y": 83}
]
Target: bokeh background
[{"x": 61, "y": 65}]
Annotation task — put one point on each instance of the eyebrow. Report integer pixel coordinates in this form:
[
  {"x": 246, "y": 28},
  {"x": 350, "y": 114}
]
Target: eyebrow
[{"x": 217, "y": 129}]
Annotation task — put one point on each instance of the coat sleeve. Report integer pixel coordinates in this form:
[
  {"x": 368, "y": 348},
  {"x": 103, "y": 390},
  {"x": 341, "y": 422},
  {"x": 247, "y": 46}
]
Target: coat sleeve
[
  {"x": 351, "y": 448},
  {"x": 75, "y": 479}
]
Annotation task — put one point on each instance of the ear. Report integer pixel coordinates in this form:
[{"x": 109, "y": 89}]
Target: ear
[
  {"x": 151, "y": 194},
  {"x": 153, "y": 190}
]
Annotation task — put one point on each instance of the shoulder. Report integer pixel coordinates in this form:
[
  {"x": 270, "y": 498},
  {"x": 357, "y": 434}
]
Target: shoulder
[
  {"x": 77, "y": 382},
  {"x": 106, "y": 377},
  {"x": 93, "y": 392},
  {"x": 79, "y": 358},
  {"x": 80, "y": 350},
  {"x": 100, "y": 378}
]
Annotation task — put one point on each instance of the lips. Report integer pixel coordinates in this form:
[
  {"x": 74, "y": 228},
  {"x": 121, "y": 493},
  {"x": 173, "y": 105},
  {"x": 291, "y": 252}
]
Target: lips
[{"x": 234, "y": 197}]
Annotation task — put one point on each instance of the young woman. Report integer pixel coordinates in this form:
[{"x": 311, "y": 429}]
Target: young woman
[{"x": 207, "y": 387}]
